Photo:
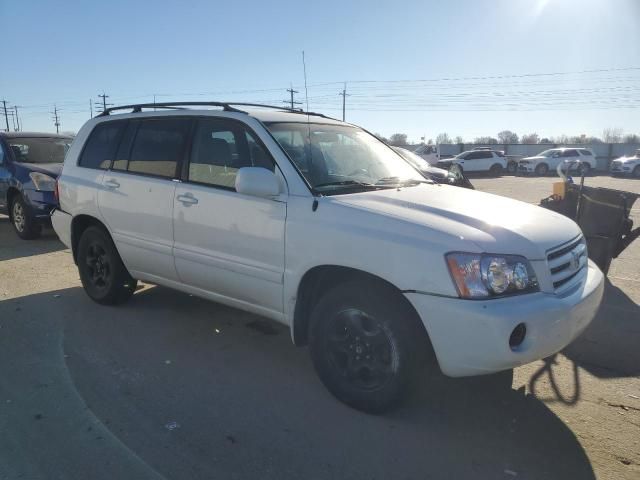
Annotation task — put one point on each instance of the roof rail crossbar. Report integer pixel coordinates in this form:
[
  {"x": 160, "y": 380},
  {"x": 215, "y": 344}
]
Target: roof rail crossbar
[{"x": 227, "y": 106}]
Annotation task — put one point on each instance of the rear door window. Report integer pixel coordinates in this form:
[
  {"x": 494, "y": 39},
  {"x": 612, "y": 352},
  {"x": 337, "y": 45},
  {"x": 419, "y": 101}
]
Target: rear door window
[
  {"x": 585, "y": 152},
  {"x": 102, "y": 144},
  {"x": 158, "y": 146},
  {"x": 570, "y": 153}
]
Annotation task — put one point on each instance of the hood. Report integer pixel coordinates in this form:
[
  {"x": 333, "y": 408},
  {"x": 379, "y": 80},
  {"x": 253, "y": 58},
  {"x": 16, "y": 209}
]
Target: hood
[
  {"x": 493, "y": 223},
  {"x": 534, "y": 158},
  {"x": 53, "y": 169}
]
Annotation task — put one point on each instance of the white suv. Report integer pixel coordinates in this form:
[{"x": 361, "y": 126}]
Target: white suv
[
  {"x": 479, "y": 160},
  {"x": 627, "y": 165},
  {"x": 318, "y": 225},
  {"x": 580, "y": 159}
]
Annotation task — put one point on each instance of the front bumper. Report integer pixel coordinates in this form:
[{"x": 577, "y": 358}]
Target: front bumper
[
  {"x": 526, "y": 168},
  {"x": 40, "y": 203},
  {"x": 471, "y": 337},
  {"x": 622, "y": 170}
]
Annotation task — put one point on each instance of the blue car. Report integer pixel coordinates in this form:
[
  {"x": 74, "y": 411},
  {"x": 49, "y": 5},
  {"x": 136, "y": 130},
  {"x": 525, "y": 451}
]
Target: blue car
[{"x": 29, "y": 166}]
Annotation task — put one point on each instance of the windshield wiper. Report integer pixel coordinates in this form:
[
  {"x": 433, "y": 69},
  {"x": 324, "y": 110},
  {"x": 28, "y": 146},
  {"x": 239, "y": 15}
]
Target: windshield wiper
[
  {"x": 346, "y": 183},
  {"x": 393, "y": 181}
]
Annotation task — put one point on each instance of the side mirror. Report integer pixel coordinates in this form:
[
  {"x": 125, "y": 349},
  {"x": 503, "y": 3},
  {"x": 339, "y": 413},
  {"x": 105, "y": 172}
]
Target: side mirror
[{"x": 257, "y": 181}]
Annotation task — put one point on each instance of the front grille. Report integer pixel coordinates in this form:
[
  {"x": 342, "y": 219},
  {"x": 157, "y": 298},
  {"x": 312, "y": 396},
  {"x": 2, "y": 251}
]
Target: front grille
[
  {"x": 566, "y": 262},
  {"x": 616, "y": 164}
]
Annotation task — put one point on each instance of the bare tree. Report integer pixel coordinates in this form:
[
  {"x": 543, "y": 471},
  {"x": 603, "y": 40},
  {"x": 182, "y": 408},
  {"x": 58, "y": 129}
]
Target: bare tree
[
  {"x": 458, "y": 139},
  {"x": 485, "y": 141},
  {"x": 443, "y": 138},
  {"x": 507, "y": 136},
  {"x": 631, "y": 138},
  {"x": 379, "y": 136},
  {"x": 612, "y": 135},
  {"x": 398, "y": 139},
  {"x": 530, "y": 138}
]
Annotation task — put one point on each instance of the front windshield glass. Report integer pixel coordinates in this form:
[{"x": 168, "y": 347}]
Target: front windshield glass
[
  {"x": 342, "y": 158},
  {"x": 415, "y": 160},
  {"x": 547, "y": 153},
  {"x": 39, "y": 149}
]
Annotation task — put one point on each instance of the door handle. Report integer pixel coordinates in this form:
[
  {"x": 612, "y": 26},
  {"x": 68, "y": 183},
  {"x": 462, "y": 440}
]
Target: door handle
[
  {"x": 187, "y": 199},
  {"x": 111, "y": 183}
]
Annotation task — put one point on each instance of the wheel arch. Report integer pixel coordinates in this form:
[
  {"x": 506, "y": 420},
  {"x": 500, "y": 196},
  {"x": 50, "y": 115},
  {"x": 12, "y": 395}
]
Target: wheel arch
[
  {"x": 12, "y": 192},
  {"x": 318, "y": 280}
]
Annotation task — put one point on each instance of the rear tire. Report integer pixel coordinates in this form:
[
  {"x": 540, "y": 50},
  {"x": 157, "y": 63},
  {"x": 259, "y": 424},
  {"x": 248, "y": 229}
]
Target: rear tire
[
  {"x": 22, "y": 220},
  {"x": 542, "y": 169},
  {"x": 366, "y": 345},
  {"x": 584, "y": 169},
  {"x": 496, "y": 170},
  {"x": 103, "y": 275}
]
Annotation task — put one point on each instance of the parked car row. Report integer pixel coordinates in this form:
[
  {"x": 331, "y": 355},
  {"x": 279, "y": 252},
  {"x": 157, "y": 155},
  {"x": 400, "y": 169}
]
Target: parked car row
[
  {"x": 487, "y": 160},
  {"x": 317, "y": 224}
]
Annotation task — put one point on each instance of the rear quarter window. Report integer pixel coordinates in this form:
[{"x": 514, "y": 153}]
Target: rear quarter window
[
  {"x": 585, "y": 152},
  {"x": 102, "y": 145}
]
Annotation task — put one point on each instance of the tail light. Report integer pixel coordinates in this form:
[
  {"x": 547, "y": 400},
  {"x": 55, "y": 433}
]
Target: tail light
[{"x": 56, "y": 193}]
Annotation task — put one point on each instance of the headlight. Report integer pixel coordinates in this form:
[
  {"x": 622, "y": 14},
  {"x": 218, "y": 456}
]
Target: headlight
[
  {"x": 485, "y": 276},
  {"x": 43, "y": 182}
]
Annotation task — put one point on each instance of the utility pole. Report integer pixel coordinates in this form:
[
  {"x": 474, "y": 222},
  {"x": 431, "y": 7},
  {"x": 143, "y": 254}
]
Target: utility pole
[
  {"x": 292, "y": 102},
  {"x": 344, "y": 96},
  {"x": 15, "y": 108},
  {"x": 56, "y": 119},
  {"x": 6, "y": 117},
  {"x": 13, "y": 119},
  {"x": 104, "y": 104},
  {"x": 91, "y": 108}
]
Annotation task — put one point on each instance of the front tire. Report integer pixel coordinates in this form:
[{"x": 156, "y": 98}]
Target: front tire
[
  {"x": 512, "y": 167},
  {"x": 23, "y": 222},
  {"x": 103, "y": 275},
  {"x": 365, "y": 345},
  {"x": 636, "y": 172},
  {"x": 542, "y": 169}
]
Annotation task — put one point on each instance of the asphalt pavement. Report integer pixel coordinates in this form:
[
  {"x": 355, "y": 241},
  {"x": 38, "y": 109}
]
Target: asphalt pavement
[{"x": 172, "y": 386}]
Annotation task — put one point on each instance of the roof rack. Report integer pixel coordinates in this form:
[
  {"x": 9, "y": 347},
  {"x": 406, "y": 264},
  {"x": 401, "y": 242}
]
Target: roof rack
[{"x": 226, "y": 106}]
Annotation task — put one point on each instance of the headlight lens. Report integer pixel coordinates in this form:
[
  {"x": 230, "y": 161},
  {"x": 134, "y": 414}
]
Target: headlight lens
[
  {"x": 485, "y": 276},
  {"x": 43, "y": 182}
]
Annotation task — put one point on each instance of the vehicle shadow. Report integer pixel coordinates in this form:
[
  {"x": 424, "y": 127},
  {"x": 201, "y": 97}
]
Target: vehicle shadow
[
  {"x": 199, "y": 390},
  {"x": 12, "y": 246},
  {"x": 609, "y": 347}
]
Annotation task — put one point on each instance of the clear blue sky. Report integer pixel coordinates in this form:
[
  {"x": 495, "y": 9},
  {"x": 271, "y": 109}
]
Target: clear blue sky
[{"x": 68, "y": 52}]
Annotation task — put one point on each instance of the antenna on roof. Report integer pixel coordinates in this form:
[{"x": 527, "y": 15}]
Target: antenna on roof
[{"x": 304, "y": 69}]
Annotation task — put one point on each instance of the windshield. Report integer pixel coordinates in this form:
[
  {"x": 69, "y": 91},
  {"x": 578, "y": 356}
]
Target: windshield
[
  {"x": 415, "y": 160},
  {"x": 39, "y": 149},
  {"x": 340, "y": 157},
  {"x": 547, "y": 153}
]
